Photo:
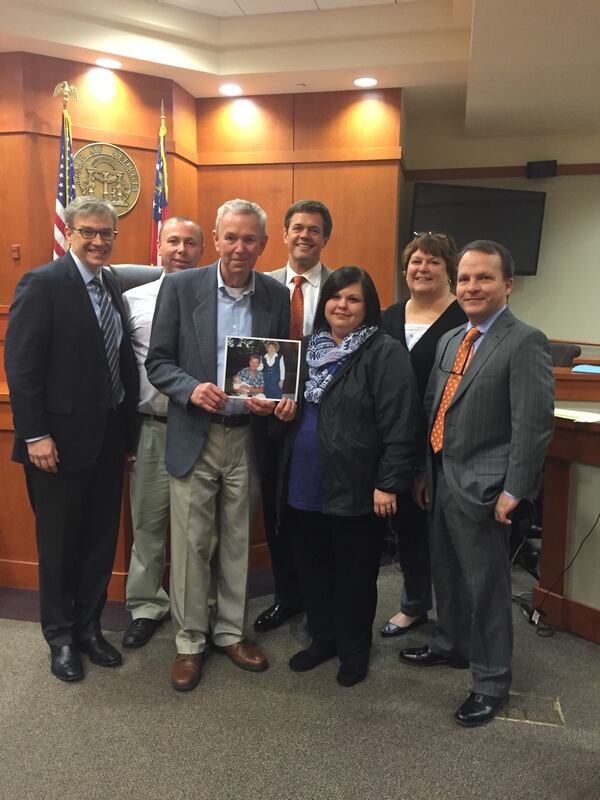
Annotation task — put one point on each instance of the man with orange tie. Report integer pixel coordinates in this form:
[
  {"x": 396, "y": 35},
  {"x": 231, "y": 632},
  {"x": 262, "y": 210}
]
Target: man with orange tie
[
  {"x": 306, "y": 230},
  {"x": 490, "y": 403}
]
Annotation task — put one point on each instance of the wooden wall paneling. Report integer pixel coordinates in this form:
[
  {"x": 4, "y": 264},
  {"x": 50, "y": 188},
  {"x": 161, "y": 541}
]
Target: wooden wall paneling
[
  {"x": 269, "y": 186},
  {"x": 15, "y": 227},
  {"x": 363, "y": 200},
  {"x": 133, "y": 108},
  {"x": 184, "y": 133},
  {"x": 347, "y": 120},
  {"x": 18, "y": 555},
  {"x": 11, "y": 92},
  {"x": 183, "y": 188},
  {"x": 249, "y": 124}
]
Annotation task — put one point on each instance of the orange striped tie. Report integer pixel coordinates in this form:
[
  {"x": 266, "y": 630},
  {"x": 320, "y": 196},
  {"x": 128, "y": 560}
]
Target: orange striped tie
[
  {"x": 297, "y": 309},
  {"x": 461, "y": 362}
]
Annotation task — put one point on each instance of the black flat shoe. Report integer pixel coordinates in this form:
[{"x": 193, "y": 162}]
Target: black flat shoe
[
  {"x": 389, "y": 629},
  {"x": 100, "y": 651},
  {"x": 140, "y": 631},
  {"x": 274, "y": 616},
  {"x": 424, "y": 657},
  {"x": 479, "y": 709},
  {"x": 65, "y": 663}
]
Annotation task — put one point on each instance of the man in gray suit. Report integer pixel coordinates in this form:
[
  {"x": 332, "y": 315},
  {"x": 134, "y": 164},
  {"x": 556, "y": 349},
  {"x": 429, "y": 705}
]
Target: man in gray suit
[
  {"x": 213, "y": 440},
  {"x": 490, "y": 408},
  {"x": 306, "y": 231}
]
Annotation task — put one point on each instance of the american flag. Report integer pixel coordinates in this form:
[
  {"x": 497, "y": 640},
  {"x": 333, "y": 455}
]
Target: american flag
[
  {"x": 65, "y": 192},
  {"x": 160, "y": 200}
]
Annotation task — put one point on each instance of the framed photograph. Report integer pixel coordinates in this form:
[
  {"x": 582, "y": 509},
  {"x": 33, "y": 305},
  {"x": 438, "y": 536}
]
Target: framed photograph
[{"x": 265, "y": 368}]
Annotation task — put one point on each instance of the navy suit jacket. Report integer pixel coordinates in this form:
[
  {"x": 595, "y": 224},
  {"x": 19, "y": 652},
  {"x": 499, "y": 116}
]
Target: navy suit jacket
[{"x": 56, "y": 365}]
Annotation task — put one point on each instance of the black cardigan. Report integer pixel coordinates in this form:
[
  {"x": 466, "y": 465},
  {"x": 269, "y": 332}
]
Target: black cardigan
[{"x": 422, "y": 355}]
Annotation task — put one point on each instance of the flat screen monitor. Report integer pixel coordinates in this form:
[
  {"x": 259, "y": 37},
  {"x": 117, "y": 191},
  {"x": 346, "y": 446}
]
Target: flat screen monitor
[{"x": 508, "y": 216}]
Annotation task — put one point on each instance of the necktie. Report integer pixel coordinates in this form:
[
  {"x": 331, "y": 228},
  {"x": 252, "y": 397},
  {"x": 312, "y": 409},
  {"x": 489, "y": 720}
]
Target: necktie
[
  {"x": 109, "y": 333},
  {"x": 461, "y": 362},
  {"x": 297, "y": 309}
]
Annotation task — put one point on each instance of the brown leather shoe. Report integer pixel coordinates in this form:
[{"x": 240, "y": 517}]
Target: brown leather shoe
[
  {"x": 245, "y": 655},
  {"x": 186, "y": 671}
]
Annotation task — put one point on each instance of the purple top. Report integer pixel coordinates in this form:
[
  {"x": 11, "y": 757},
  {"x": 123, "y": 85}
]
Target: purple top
[{"x": 305, "y": 488}]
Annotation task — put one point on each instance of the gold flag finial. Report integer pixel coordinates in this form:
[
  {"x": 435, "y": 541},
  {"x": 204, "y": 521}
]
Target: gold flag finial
[
  {"x": 66, "y": 91},
  {"x": 162, "y": 111}
]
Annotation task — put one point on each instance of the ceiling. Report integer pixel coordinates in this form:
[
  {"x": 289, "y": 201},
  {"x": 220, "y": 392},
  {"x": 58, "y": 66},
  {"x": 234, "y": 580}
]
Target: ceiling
[{"x": 511, "y": 67}]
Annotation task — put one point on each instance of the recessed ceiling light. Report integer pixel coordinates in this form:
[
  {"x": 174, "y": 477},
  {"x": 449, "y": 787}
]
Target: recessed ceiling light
[
  {"x": 365, "y": 83},
  {"x": 109, "y": 63},
  {"x": 231, "y": 89}
]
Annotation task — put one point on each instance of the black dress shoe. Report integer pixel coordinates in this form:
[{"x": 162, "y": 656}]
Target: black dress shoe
[
  {"x": 479, "y": 709},
  {"x": 100, "y": 651},
  {"x": 308, "y": 659},
  {"x": 274, "y": 616},
  {"x": 350, "y": 676},
  {"x": 140, "y": 631},
  {"x": 389, "y": 629},
  {"x": 424, "y": 657},
  {"x": 65, "y": 663}
]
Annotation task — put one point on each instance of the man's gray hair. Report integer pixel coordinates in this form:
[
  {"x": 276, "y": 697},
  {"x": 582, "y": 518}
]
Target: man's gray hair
[
  {"x": 238, "y": 206},
  {"x": 88, "y": 205}
]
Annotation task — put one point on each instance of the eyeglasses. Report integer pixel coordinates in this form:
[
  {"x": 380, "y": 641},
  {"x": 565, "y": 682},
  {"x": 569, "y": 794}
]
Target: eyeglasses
[
  {"x": 450, "y": 369},
  {"x": 106, "y": 234},
  {"x": 443, "y": 237}
]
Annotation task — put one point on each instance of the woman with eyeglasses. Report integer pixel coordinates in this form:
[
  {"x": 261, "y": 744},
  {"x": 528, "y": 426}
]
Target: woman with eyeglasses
[
  {"x": 345, "y": 459},
  {"x": 429, "y": 264}
]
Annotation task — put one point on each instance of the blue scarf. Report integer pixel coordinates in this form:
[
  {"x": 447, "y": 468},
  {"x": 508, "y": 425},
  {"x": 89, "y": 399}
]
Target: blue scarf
[{"x": 324, "y": 357}]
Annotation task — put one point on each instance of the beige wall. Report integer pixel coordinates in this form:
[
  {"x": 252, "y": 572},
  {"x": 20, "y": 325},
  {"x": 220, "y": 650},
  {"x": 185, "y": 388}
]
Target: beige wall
[{"x": 563, "y": 299}]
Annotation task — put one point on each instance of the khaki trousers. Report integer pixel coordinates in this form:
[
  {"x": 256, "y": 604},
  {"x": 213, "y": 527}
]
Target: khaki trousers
[
  {"x": 150, "y": 518},
  {"x": 216, "y": 499}
]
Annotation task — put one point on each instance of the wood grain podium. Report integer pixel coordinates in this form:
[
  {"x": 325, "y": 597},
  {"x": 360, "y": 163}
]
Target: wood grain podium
[{"x": 573, "y": 444}]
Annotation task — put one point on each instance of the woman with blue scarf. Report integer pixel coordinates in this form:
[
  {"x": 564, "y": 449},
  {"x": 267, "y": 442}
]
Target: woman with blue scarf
[{"x": 347, "y": 455}]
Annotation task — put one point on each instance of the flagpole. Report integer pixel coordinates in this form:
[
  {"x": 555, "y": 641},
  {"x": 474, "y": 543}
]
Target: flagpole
[
  {"x": 65, "y": 191},
  {"x": 160, "y": 200}
]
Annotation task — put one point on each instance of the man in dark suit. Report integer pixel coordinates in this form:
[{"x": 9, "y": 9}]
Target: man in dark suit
[
  {"x": 73, "y": 388},
  {"x": 490, "y": 408},
  {"x": 213, "y": 449},
  {"x": 306, "y": 230}
]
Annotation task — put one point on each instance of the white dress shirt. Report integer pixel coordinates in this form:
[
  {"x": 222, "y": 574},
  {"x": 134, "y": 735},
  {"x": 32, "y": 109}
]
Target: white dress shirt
[{"x": 140, "y": 303}]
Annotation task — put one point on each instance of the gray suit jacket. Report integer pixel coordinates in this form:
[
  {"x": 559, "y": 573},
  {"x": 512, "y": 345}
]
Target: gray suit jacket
[
  {"x": 500, "y": 421},
  {"x": 183, "y": 351}
]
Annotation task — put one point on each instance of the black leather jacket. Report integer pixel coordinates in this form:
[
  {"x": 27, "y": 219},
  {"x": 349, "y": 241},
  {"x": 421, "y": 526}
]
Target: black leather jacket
[{"x": 370, "y": 420}]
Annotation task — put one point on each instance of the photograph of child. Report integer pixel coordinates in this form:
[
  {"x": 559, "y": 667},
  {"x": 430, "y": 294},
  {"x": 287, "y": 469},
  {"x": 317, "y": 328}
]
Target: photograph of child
[{"x": 261, "y": 368}]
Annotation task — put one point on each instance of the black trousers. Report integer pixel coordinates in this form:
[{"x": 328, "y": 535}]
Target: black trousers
[
  {"x": 77, "y": 522},
  {"x": 338, "y": 563},
  {"x": 285, "y": 574},
  {"x": 410, "y": 527}
]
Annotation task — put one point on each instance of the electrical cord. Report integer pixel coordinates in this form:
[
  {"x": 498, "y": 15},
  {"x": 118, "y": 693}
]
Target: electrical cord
[{"x": 538, "y": 613}]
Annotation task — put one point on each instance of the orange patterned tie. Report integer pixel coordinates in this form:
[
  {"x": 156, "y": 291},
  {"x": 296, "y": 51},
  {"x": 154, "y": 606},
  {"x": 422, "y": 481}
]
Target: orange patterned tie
[
  {"x": 461, "y": 362},
  {"x": 297, "y": 309}
]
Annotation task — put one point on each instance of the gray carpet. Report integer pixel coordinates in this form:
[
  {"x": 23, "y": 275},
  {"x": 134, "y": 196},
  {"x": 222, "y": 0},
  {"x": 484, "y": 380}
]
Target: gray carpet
[{"x": 125, "y": 733}]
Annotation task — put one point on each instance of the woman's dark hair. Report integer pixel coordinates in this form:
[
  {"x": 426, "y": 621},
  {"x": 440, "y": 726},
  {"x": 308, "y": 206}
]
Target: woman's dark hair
[
  {"x": 434, "y": 244},
  {"x": 339, "y": 279}
]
